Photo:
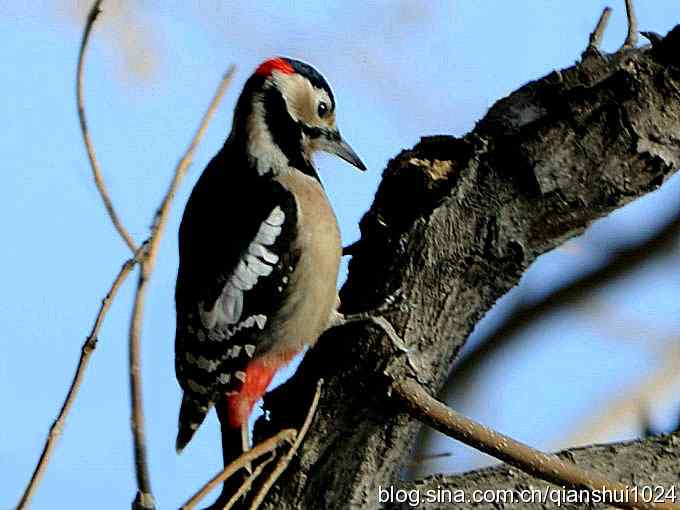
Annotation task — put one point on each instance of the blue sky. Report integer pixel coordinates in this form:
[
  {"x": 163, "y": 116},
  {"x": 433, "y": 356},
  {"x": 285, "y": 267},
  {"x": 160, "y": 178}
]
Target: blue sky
[{"x": 400, "y": 70}]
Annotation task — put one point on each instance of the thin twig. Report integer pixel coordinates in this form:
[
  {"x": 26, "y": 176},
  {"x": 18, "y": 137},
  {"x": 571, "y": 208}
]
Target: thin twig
[
  {"x": 147, "y": 257},
  {"x": 632, "y": 37},
  {"x": 254, "y": 453},
  {"x": 96, "y": 170},
  {"x": 418, "y": 403},
  {"x": 245, "y": 486},
  {"x": 91, "y": 341},
  {"x": 183, "y": 165},
  {"x": 421, "y": 459},
  {"x": 87, "y": 349},
  {"x": 288, "y": 456},
  {"x": 597, "y": 34},
  {"x": 144, "y": 498}
]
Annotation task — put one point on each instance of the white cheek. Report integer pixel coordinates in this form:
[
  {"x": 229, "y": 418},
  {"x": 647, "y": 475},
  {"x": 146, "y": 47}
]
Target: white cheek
[
  {"x": 260, "y": 144},
  {"x": 288, "y": 85}
]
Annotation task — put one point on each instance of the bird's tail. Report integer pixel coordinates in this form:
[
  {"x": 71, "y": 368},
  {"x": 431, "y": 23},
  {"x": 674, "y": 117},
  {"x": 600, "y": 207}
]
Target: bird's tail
[{"x": 191, "y": 415}]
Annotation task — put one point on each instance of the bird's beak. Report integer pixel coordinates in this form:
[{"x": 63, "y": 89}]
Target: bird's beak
[{"x": 336, "y": 145}]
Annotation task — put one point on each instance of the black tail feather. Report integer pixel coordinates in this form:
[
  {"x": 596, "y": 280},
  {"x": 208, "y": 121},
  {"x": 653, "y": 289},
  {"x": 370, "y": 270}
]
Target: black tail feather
[{"x": 191, "y": 415}]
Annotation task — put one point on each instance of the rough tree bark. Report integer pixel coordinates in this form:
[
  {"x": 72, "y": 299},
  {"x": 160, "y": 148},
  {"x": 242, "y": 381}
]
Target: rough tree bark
[
  {"x": 651, "y": 463},
  {"x": 455, "y": 223}
]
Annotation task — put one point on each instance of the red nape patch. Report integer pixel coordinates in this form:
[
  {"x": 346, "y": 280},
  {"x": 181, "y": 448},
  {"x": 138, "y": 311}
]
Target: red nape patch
[
  {"x": 259, "y": 374},
  {"x": 274, "y": 64}
]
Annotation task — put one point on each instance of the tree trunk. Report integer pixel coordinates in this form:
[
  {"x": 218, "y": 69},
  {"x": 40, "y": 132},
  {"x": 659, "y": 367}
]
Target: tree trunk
[{"x": 454, "y": 225}]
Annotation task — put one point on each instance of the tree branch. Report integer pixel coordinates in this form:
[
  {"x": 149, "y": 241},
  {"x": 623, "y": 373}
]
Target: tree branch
[
  {"x": 80, "y": 101},
  {"x": 146, "y": 256},
  {"x": 248, "y": 483},
  {"x": 632, "y": 37},
  {"x": 254, "y": 453},
  {"x": 546, "y": 467},
  {"x": 86, "y": 351},
  {"x": 596, "y": 35},
  {"x": 286, "y": 458},
  {"x": 144, "y": 498},
  {"x": 651, "y": 464},
  {"x": 454, "y": 224}
]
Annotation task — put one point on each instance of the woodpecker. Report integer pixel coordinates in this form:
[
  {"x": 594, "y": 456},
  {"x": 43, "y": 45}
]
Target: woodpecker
[{"x": 259, "y": 250}]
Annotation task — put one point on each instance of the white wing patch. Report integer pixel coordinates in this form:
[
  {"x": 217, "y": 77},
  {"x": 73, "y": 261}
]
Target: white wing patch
[
  {"x": 257, "y": 261},
  {"x": 258, "y": 320}
]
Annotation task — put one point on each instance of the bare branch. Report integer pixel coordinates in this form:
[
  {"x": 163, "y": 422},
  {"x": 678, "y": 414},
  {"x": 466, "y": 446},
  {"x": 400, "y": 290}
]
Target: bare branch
[
  {"x": 248, "y": 482},
  {"x": 91, "y": 341},
  {"x": 96, "y": 170},
  {"x": 183, "y": 165},
  {"x": 550, "y": 468},
  {"x": 288, "y": 456},
  {"x": 421, "y": 459},
  {"x": 632, "y": 37},
  {"x": 650, "y": 462},
  {"x": 146, "y": 255},
  {"x": 144, "y": 498},
  {"x": 455, "y": 223},
  {"x": 596, "y": 35},
  {"x": 254, "y": 453},
  {"x": 87, "y": 349}
]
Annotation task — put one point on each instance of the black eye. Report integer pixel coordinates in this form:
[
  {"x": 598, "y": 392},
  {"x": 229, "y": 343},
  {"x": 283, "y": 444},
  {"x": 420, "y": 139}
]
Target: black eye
[{"x": 323, "y": 109}]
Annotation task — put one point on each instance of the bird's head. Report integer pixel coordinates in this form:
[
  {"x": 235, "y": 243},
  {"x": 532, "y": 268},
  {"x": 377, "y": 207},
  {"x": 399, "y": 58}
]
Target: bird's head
[{"x": 285, "y": 113}]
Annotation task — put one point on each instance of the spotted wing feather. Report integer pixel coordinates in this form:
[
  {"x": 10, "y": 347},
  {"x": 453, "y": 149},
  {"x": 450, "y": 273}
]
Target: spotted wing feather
[{"x": 237, "y": 251}]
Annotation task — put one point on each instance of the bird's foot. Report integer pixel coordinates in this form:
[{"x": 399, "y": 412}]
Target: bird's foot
[
  {"x": 374, "y": 317},
  {"x": 377, "y": 320}
]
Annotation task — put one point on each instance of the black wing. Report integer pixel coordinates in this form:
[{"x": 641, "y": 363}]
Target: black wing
[{"x": 236, "y": 249}]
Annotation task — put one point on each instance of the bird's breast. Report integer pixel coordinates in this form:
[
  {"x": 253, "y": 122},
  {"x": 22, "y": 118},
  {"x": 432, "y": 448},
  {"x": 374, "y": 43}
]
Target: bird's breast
[{"x": 311, "y": 295}]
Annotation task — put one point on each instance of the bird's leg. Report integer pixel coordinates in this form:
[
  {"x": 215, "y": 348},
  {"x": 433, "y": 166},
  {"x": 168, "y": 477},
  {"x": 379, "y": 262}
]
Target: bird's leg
[
  {"x": 381, "y": 322},
  {"x": 376, "y": 319},
  {"x": 245, "y": 444},
  {"x": 234, "y": 443},
  {"x": 339, "y": 319}
]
